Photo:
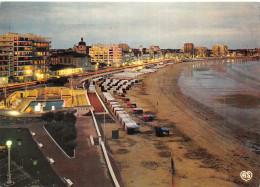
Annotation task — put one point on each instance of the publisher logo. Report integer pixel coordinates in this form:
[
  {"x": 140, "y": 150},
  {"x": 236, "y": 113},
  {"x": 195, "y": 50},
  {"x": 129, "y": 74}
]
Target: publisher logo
[{"x": 246, "y": 175}]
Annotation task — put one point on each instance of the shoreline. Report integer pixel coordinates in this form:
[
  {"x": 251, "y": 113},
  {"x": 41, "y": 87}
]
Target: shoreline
[{"x": 194, "y": 139}]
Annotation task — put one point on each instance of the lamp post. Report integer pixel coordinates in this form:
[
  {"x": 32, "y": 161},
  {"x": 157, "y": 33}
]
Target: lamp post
[
  {"x": 9, "y": 54},
  {"x": 9, "y": 180},
  {"x": 27, "y": 72}
]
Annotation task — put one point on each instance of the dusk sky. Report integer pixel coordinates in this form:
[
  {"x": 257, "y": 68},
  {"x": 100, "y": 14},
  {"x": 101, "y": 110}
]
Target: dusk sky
[{"x": 168, "y": 25}]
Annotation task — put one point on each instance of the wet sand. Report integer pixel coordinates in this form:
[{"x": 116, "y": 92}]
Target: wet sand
[{"x": 206, "y": 149}]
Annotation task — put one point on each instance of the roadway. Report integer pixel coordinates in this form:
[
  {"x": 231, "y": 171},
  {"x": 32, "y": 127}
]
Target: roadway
[{"x": 92, "y": 74}]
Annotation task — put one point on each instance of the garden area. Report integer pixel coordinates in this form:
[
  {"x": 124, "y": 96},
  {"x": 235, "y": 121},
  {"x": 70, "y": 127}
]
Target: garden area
[
  {"x": 29, "y": 167},
  {"x": 61, "y": 126}
]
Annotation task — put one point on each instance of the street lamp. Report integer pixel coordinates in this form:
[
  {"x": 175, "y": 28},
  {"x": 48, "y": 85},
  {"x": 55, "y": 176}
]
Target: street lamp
[
  {"x": 9, "y": 180},
  {"x": 27, "y": 73}
]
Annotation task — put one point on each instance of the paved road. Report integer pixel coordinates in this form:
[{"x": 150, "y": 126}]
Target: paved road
[{"x": 88, "y": 167}]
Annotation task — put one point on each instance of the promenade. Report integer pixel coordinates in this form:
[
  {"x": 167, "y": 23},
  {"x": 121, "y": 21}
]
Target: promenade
[{"x": 88, "y": 167}]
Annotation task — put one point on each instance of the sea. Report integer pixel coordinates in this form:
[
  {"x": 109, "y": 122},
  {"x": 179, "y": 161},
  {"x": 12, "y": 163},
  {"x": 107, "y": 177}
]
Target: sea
[{"x": 230, "y": 87}]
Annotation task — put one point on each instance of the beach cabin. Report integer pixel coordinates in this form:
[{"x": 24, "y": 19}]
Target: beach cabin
[
  {"x": 117, "y": 109},
  {"x": 115, "y": 106},
  {"x": 121, "y": 95},
  {"x": 126, "y": 121},
  {"x": 132, "y": 129},
  {"x": 131, "y": 104},
  {"x": 125, "y": 99},
  {"x": 148, "y": 117},
  {"x": 112, "y": 103},
  {"x": 137, "y": 110},
  {"x": 161, "y": 131},
  {"x": 108, "y": 97},
  {"x": 120, "y": 114}
]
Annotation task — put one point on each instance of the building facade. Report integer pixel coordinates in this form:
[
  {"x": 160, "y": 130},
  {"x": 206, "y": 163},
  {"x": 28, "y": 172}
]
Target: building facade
[
  {"x": 107, "y": 54},
  {"x": 81, "y": 47},
  {"x": 28, "y": 56},
  {"x": 215, "y": 50},
  {"x": 188, "y": 49},
  {"x": 223, "y": 50},
  {"x": 201, "y": 51},
  {"x": 125, "y": 48},
  {"x": 128, "y": 57},
  {"x": 5, "y": 61},
  {"x": 219, "y": 50},
  {"x": 72, "y": 58}
]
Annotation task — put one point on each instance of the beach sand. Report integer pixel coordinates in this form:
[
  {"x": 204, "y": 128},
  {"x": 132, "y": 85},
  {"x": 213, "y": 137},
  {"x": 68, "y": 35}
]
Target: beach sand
[{"x": 205, "y": 148}]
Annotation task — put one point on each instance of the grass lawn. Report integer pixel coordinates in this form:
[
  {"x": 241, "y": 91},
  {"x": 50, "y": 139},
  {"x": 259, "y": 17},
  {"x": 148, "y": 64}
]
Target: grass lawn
[{"x": 24, "y": 172}]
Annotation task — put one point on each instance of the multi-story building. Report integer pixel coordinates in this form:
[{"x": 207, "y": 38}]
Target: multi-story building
[
  {"x": 81, "y": 48},
  {"x": 108, "y": 54},
  {"x": 28, "y": 54},
  {"x": 5, "y": 59},
  {"x": 128, "y": 57},
  {"x": 154, "y": 48},
  {"x": 223, "y": 50},
  {"x": 71, "y": 58},
  {"x": 201, "y": 51},
  {"x": 125, "y": 48},
  {"x": 141, "y": 48},
  {"x": 157, "y": 55},
  {"x": 215, "y": 50},
  {"x": 188, "y": 49},
  {"x": 145, "y": 57},
  {"x": 220, "y": 50}
]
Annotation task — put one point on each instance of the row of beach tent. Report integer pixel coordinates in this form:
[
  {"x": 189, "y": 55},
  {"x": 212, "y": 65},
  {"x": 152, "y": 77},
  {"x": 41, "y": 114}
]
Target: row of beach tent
[
  {"x": 129, "y": 125},
  {"x": 92, "y": 87},
  {"x": 117, "y": 85},
  {"x": 128, "y": 74}
]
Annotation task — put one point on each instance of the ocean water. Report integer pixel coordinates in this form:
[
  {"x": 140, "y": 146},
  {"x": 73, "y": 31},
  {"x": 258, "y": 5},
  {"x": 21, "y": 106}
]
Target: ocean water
[{"x": 230, "y": 88}]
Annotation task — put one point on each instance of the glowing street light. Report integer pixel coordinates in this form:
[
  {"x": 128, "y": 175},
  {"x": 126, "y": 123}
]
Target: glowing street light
[
  {"x": 9, "y": 180},
  {"x": 27, "y": 72}
]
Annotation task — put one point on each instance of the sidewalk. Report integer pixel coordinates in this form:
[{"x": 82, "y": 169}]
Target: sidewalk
[{"x": 88, "y": 167}]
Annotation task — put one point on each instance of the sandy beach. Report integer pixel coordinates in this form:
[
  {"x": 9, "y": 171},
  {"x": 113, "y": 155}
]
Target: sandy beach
[{"x": 204, "y": 146}]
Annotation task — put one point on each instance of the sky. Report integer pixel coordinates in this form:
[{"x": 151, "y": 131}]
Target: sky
[{"x": 167, "y": 24}]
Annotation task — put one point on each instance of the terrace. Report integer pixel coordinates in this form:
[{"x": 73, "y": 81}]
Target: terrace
[{"x": 45, "y": 99}]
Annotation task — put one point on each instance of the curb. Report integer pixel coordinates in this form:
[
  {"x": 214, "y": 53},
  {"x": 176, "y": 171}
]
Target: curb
[{"x": 58, "y": 144}]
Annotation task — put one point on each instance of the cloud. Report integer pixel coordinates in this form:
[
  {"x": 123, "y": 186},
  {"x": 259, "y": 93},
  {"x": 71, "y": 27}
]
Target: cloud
[{"x": 169, "y": 25}]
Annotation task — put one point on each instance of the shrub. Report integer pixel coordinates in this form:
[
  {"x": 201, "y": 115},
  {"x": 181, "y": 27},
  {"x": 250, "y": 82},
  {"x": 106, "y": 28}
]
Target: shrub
[
  {"x": 63, "y": 130},
  {"x": 59, "y": 116},
  {"x": 70, "y": 117},
  {"x": 71, "y": 144},
  {"x": 49, "y": 116}
]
